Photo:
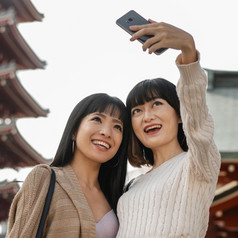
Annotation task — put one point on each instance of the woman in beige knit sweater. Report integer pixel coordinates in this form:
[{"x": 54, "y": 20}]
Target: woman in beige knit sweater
[
  {"x": 90, "y": 166},
  {"x": 173, "y": 133}
]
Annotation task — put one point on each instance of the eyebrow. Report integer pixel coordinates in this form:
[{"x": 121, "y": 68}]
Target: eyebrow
[{"x": 104, "y": 116}]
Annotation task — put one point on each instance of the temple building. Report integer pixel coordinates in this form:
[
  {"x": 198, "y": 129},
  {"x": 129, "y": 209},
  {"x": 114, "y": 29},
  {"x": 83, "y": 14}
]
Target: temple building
[
  {"x": 222, "y": 98},
  {"x": 15, "y": 101}
]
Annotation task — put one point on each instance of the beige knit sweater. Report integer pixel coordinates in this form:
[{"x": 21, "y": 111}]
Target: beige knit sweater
[
  {"x": 69, "y": 215},
  {"x": 173, "y": 200}
]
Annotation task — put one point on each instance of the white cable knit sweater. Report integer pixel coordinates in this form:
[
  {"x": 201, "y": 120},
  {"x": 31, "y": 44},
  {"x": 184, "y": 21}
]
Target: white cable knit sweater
[{"x": 173, "y": 200}]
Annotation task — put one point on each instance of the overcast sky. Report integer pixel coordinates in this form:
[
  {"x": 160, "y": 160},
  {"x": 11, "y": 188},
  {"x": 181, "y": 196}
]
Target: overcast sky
[{"x": 86, "y": 52}]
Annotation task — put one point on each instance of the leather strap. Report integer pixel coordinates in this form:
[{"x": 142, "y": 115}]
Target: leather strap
[{"x": 47, "y": 205}]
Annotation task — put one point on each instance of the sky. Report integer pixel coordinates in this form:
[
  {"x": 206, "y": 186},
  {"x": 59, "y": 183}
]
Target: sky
[{"x": 86, "y": 52}]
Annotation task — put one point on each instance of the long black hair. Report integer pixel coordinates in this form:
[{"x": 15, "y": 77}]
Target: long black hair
[
  {"x": 143, "y": 92},
  {"x": 113, "y": 172}
]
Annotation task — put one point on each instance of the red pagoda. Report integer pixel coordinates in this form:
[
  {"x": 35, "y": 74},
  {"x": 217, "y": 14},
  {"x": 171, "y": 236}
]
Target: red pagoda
[{"x": 15, "y": 101}]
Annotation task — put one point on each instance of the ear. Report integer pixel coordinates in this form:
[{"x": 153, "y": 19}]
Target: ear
[
  {"x": 74, "y": 137},
  {"x": 179, "y": 120}
]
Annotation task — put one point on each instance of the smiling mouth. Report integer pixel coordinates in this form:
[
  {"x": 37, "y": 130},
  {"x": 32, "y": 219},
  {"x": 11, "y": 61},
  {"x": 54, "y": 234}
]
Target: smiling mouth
[
  {"x": 101, "y": 143},
  {"x": 152, "y": 128}
]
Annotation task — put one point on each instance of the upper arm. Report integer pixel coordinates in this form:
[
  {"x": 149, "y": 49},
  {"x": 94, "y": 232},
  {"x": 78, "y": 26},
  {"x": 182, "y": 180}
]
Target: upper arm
[
  {"x": 28, "y": 203},
  {"x": 198, "y": 124}
]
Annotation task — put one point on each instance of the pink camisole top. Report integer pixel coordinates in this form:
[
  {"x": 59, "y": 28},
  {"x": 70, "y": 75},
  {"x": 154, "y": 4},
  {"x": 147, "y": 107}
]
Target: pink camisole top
[{"x": 108, "y": 226}]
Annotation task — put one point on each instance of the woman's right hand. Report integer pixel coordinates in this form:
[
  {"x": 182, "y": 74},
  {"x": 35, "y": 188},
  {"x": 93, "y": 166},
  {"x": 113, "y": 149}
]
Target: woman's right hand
[{"x": 166, "y": 36}]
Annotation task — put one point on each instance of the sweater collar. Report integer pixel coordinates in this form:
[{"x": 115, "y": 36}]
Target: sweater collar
[{"x": 67, "y": 179}]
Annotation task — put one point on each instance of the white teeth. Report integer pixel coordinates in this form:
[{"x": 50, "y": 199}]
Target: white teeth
[
  {"x": 97, "y": 142},
  {"x": 153, "y": 127}
]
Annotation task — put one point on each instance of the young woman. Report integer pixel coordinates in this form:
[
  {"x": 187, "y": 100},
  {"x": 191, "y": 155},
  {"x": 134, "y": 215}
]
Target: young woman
[
  {"x": 173, "y": 133},
  {"x": 90, "y": 166}
]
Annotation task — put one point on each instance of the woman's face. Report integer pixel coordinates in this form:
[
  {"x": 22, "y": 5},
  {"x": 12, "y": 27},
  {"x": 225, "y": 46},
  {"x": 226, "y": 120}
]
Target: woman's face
[
  {"x": 155, "y": 124},
  {"x": 99, "y": 137}
]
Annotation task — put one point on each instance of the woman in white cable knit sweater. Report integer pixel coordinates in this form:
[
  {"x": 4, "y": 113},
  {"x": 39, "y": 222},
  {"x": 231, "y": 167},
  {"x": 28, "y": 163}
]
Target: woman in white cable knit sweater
[{"x": 173, "y": 133}]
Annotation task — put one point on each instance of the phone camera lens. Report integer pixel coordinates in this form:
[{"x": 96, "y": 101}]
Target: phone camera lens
[{"x": 129, "y": 20}]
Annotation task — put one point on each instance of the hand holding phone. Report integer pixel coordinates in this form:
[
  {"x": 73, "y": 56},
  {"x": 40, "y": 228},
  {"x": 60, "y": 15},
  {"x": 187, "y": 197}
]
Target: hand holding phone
[{"x": 133, "y": 18}]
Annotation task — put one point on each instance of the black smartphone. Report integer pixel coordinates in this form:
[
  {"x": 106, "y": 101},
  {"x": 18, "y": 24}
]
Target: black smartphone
[{"x": 133, "y": 18}]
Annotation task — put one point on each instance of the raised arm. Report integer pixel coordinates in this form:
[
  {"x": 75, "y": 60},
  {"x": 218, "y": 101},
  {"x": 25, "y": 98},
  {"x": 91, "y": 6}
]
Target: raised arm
[
  {"x": 198, "y": 124},
  {"x": 204, "y": 158}
]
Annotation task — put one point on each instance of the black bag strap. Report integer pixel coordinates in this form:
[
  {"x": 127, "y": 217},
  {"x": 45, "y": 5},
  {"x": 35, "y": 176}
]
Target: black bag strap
[
  {"x": 47, "y": 204},
  {"x": 128, "y": 185}
]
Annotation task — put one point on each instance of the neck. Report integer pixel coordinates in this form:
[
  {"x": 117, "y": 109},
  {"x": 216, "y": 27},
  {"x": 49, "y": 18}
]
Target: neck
[
  {"x": 86, "y": 172},
  {"x": 164, "y": 153}
]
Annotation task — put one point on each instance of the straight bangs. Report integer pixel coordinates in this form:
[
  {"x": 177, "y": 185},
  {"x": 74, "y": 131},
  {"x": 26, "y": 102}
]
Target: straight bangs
[
  {"x": 109, "y": 105},
  {"x": 143, "y": 92},
  {"x": 151, "y": 89}
]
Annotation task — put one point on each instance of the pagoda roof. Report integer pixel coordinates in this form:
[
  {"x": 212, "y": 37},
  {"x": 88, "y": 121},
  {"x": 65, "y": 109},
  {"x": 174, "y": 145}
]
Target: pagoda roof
[
  {"x": 15, "y": 151},
  {"x": 228, "y": 171},
  {"x": 15, "y": 101},
  {"x": 226, "y": 197},
  {"x": 7, "y": 193},
  {"x": 13, "y": 45},
  {"x": 25, "y": 10},
  {"x": 224, "y": 211},
  {"x": 223, "y": 220}
]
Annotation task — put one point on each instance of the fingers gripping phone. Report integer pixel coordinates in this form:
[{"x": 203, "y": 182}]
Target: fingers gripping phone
[{"x": 133, "y": 18}]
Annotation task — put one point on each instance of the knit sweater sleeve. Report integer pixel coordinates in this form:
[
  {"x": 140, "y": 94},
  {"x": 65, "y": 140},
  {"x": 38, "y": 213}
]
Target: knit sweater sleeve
[
  {"x": 27, "y": 205},
  {"x": 198, "y": 125}
]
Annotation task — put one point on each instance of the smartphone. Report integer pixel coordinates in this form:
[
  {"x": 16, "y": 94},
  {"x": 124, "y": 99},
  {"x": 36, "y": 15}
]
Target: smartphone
[{"x": 133, "y": 18}]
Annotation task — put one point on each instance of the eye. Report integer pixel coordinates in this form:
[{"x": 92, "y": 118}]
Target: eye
[
  {"x": 98, "y": 119},
  {"x": 157, "y": 103},
  {"x": 118, "y": 127},
  {"x": 135, "y": 111}
]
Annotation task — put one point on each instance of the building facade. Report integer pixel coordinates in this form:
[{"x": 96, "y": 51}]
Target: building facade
[{"x": 222, "y": 98}]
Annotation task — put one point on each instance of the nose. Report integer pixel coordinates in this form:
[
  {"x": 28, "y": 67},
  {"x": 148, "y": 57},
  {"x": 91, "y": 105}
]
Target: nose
[
  {"x": 148, "y": 115},
  {"x": 106, "y": 131}
]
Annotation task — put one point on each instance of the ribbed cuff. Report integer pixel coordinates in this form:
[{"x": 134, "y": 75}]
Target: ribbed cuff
[{"x": 190, "y": 72}]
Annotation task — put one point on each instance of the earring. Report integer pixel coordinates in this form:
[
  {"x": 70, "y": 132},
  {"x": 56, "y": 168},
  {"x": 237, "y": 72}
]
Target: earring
[
  {"x": 73, "y": 146},
  {"x": 143, "y": 154}
]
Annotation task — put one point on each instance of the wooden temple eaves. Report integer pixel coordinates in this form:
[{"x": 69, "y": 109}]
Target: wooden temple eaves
[
  {"x": 7, "y": 193},
  {"x": 224, "y": 212},
  {"x": 25, "y": 10},
  {"x": 13, "y": 46},
  {"x": 15, "y": 151},
  {"x": 15, "y": 101},
  {"x": 224, "y": 208},
  {"x": 228, "y": 171}
]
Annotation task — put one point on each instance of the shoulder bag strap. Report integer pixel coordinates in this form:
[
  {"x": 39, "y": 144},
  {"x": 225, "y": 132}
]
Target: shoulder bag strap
[
  {"x": 47, "y": 205},
  {"x": 128, "y": 185}
]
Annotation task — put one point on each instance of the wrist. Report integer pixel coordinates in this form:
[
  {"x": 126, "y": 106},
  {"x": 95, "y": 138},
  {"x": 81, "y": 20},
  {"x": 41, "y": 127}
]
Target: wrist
[{"x": 189, "y": 52}]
